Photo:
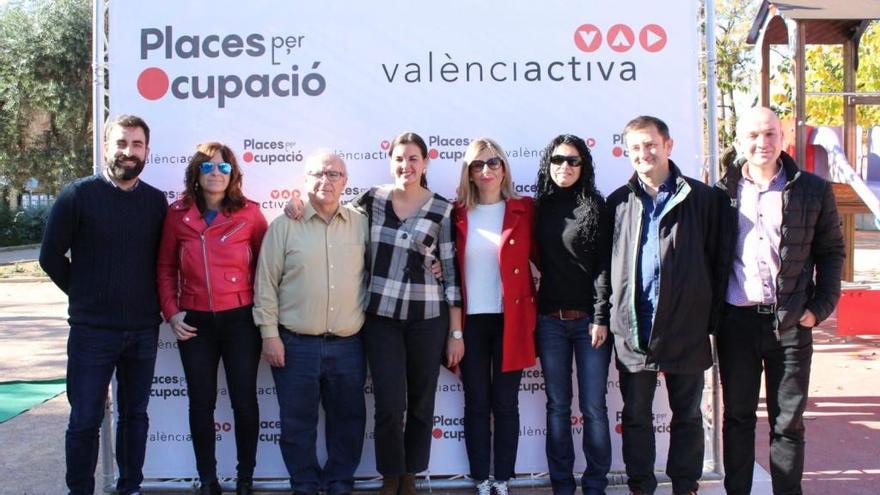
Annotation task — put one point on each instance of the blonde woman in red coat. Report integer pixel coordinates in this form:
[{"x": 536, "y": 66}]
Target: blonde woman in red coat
[
  {"x": 493, "y": 243},
  {"x": 207, "y": 258}
]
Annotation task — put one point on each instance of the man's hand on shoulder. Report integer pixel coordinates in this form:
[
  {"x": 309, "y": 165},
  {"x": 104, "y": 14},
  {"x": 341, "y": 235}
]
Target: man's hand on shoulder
[{"x": 295, "y": 209}]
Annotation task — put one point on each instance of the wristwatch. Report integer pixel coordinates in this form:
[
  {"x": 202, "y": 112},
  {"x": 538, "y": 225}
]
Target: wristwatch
[{"x": 456, "y": 334}]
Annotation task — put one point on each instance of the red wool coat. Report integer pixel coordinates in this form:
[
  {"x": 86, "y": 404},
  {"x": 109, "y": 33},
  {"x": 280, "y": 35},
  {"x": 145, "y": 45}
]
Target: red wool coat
[{"x": 518, "y": 290}]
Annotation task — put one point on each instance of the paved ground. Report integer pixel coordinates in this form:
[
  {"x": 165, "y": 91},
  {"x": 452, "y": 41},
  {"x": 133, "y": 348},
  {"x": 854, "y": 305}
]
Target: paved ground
[
  {"x": 843, "y": 417},
  {"x": 12, "y": 255},
  {"x": 33, "y": 334},
  {"x": 33, "y": 331}
]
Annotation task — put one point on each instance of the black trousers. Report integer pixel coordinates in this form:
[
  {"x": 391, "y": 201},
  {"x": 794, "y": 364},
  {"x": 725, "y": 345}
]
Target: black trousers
[
  {"x": 232, "y": 336},
  {"x": 489, "y": 392},
  {"x": 746, "y": 346},
  {"x": 684, "y": 462},
  {"x": 404, "y": 359}
]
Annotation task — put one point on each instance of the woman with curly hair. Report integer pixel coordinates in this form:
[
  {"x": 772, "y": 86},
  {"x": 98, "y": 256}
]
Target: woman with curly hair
[
  {"x": 573, "y": 245},
  {"x": 207, "y": 257}
]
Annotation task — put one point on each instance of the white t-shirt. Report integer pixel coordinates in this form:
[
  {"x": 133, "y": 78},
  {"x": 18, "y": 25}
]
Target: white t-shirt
[{"x": 482, "y": 275}]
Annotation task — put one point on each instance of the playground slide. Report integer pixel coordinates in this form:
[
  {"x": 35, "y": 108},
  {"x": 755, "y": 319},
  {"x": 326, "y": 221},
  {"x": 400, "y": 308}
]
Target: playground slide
[
  {"x": 839, "y": 169},
  {"x": 872, "y": 172}
]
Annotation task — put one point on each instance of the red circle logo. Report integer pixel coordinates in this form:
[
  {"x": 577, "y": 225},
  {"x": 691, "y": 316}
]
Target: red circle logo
[
  {"x": 433, "y": 153},
  {"x": 437, "y": 433},
  {"x": 152, "y": 83},
  {"x": 591, "y": 142},
  {"x": 620, "y": 38},
  {"x": 617, "y": 151},
  {"x": 652, "y": 38},
  {"x": 587, "y": 38},
  {"x": 248, "y": 156},
  {"x": 618, "y": 428}
]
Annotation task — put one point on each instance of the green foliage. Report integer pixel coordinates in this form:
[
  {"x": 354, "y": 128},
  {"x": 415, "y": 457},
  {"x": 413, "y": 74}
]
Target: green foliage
[
  {"x": 45, "y": 92},
  {"x": 734, "y": 61},
  {"x": 22, "y": 226},
  {"x": 824, "y": 73},
  {"x": 738, "y": 74}
]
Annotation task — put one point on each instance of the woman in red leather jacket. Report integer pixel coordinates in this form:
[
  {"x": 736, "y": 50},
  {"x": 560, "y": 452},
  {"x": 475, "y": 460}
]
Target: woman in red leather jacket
[
  {"x": 209, "y": 248},
  {"x": 493, "y": 244}
]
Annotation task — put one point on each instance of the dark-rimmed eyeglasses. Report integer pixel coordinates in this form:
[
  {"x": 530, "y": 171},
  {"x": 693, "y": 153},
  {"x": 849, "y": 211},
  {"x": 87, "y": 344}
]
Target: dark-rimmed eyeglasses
[
  {"x": 572, "y": 161},
  {"x": 208, "y": 167},
  {"x": 493, "y": 163},
  {"x": 331, "y": 175}
]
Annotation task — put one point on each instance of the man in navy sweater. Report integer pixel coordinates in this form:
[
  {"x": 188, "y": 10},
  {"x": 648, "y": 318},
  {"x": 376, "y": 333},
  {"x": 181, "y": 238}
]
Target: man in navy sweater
[{"x": 111, "y": 224}]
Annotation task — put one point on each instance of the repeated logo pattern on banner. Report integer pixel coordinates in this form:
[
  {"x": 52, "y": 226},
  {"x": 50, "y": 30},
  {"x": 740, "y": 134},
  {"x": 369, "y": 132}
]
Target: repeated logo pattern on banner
[
  {"x": 169, "y": 451},
  {"x": 277, "y": 81}
]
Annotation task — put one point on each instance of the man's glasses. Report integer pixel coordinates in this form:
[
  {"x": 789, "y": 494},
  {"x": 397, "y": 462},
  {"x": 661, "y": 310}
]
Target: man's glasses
[
  {"x": 208, "y": 167},
  {"x": 331, "y": 175},
  {"x": 572, "y": 161},
  {"x": 494, "y": 163}
]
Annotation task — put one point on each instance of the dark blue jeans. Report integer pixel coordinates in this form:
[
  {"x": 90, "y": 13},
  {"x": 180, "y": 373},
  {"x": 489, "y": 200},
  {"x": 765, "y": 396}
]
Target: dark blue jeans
[
  {"x": 233, "y": 336},
  {"x": 684, "y": 463},
  {"x": 746, "y": 346},
  {"x": 489, "y": 394},
  {"x": 558, "y": 342},
  {"x": 329, "y": 372},
  {"x": 92, "y": 356}
]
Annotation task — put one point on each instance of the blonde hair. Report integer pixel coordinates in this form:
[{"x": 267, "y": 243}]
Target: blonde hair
[{"x": 468, "y": 193}]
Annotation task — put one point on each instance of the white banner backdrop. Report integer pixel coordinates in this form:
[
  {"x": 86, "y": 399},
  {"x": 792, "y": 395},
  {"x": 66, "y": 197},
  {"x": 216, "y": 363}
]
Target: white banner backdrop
[
  {"x": 278, "y": 80},
  {"x": 169, "y": 450}
]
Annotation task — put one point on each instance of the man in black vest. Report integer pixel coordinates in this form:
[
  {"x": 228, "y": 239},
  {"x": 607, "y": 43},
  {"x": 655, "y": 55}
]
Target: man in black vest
[{"x": 111, "y": 224}]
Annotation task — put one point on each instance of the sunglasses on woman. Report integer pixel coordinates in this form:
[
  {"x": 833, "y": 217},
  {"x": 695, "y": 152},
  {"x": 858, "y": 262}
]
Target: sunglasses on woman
[
  {"x": 208, "y": 167},
  {"x": 494, "y": 163},
  {"x": 572, "y": 161}
]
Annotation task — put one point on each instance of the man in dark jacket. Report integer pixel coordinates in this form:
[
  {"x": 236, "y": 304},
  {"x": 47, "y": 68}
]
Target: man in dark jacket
[
  {"x": 780, "y": 228},
  {"x": 663, "y": 258}
]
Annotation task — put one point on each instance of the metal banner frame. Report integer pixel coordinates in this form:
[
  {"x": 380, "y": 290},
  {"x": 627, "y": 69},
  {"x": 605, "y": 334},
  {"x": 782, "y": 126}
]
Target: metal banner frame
[{"x": 713, "y": 468}]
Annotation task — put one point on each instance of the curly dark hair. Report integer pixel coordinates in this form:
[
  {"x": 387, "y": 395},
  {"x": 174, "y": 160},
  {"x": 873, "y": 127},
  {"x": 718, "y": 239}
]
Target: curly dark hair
[
  {"x": 234, "y": 199},
  {"x": 588, "y": 213}
]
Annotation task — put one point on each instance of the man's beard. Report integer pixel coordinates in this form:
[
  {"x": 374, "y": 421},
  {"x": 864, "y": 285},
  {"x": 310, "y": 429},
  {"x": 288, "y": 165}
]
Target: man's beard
[{"x": 120, "y": 172}]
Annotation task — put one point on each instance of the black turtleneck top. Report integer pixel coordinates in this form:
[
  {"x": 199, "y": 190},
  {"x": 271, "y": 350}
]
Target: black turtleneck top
[{"x": 569, "y": 274}]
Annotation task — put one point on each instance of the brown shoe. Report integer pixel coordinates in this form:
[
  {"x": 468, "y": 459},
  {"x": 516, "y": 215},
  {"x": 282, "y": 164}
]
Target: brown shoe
[
  {"x": 390, "y": 485},
  {"x": 407, "y": 484}
]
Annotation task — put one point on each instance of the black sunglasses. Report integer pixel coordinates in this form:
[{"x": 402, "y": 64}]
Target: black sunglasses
[
  {"x": 494, "y": 163},
  {"x": 572, "y": 161}
]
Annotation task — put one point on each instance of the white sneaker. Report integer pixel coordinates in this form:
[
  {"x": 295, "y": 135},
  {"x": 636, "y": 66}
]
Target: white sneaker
[
  {"x": 500, "y": 487},
  {"x": 484, "y": 488}
]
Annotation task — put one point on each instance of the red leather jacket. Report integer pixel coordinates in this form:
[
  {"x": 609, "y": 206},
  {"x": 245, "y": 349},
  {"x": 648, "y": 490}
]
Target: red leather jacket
[
  {"x": 518, "y": 289},
  {"x": 208, "y": 268}
]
